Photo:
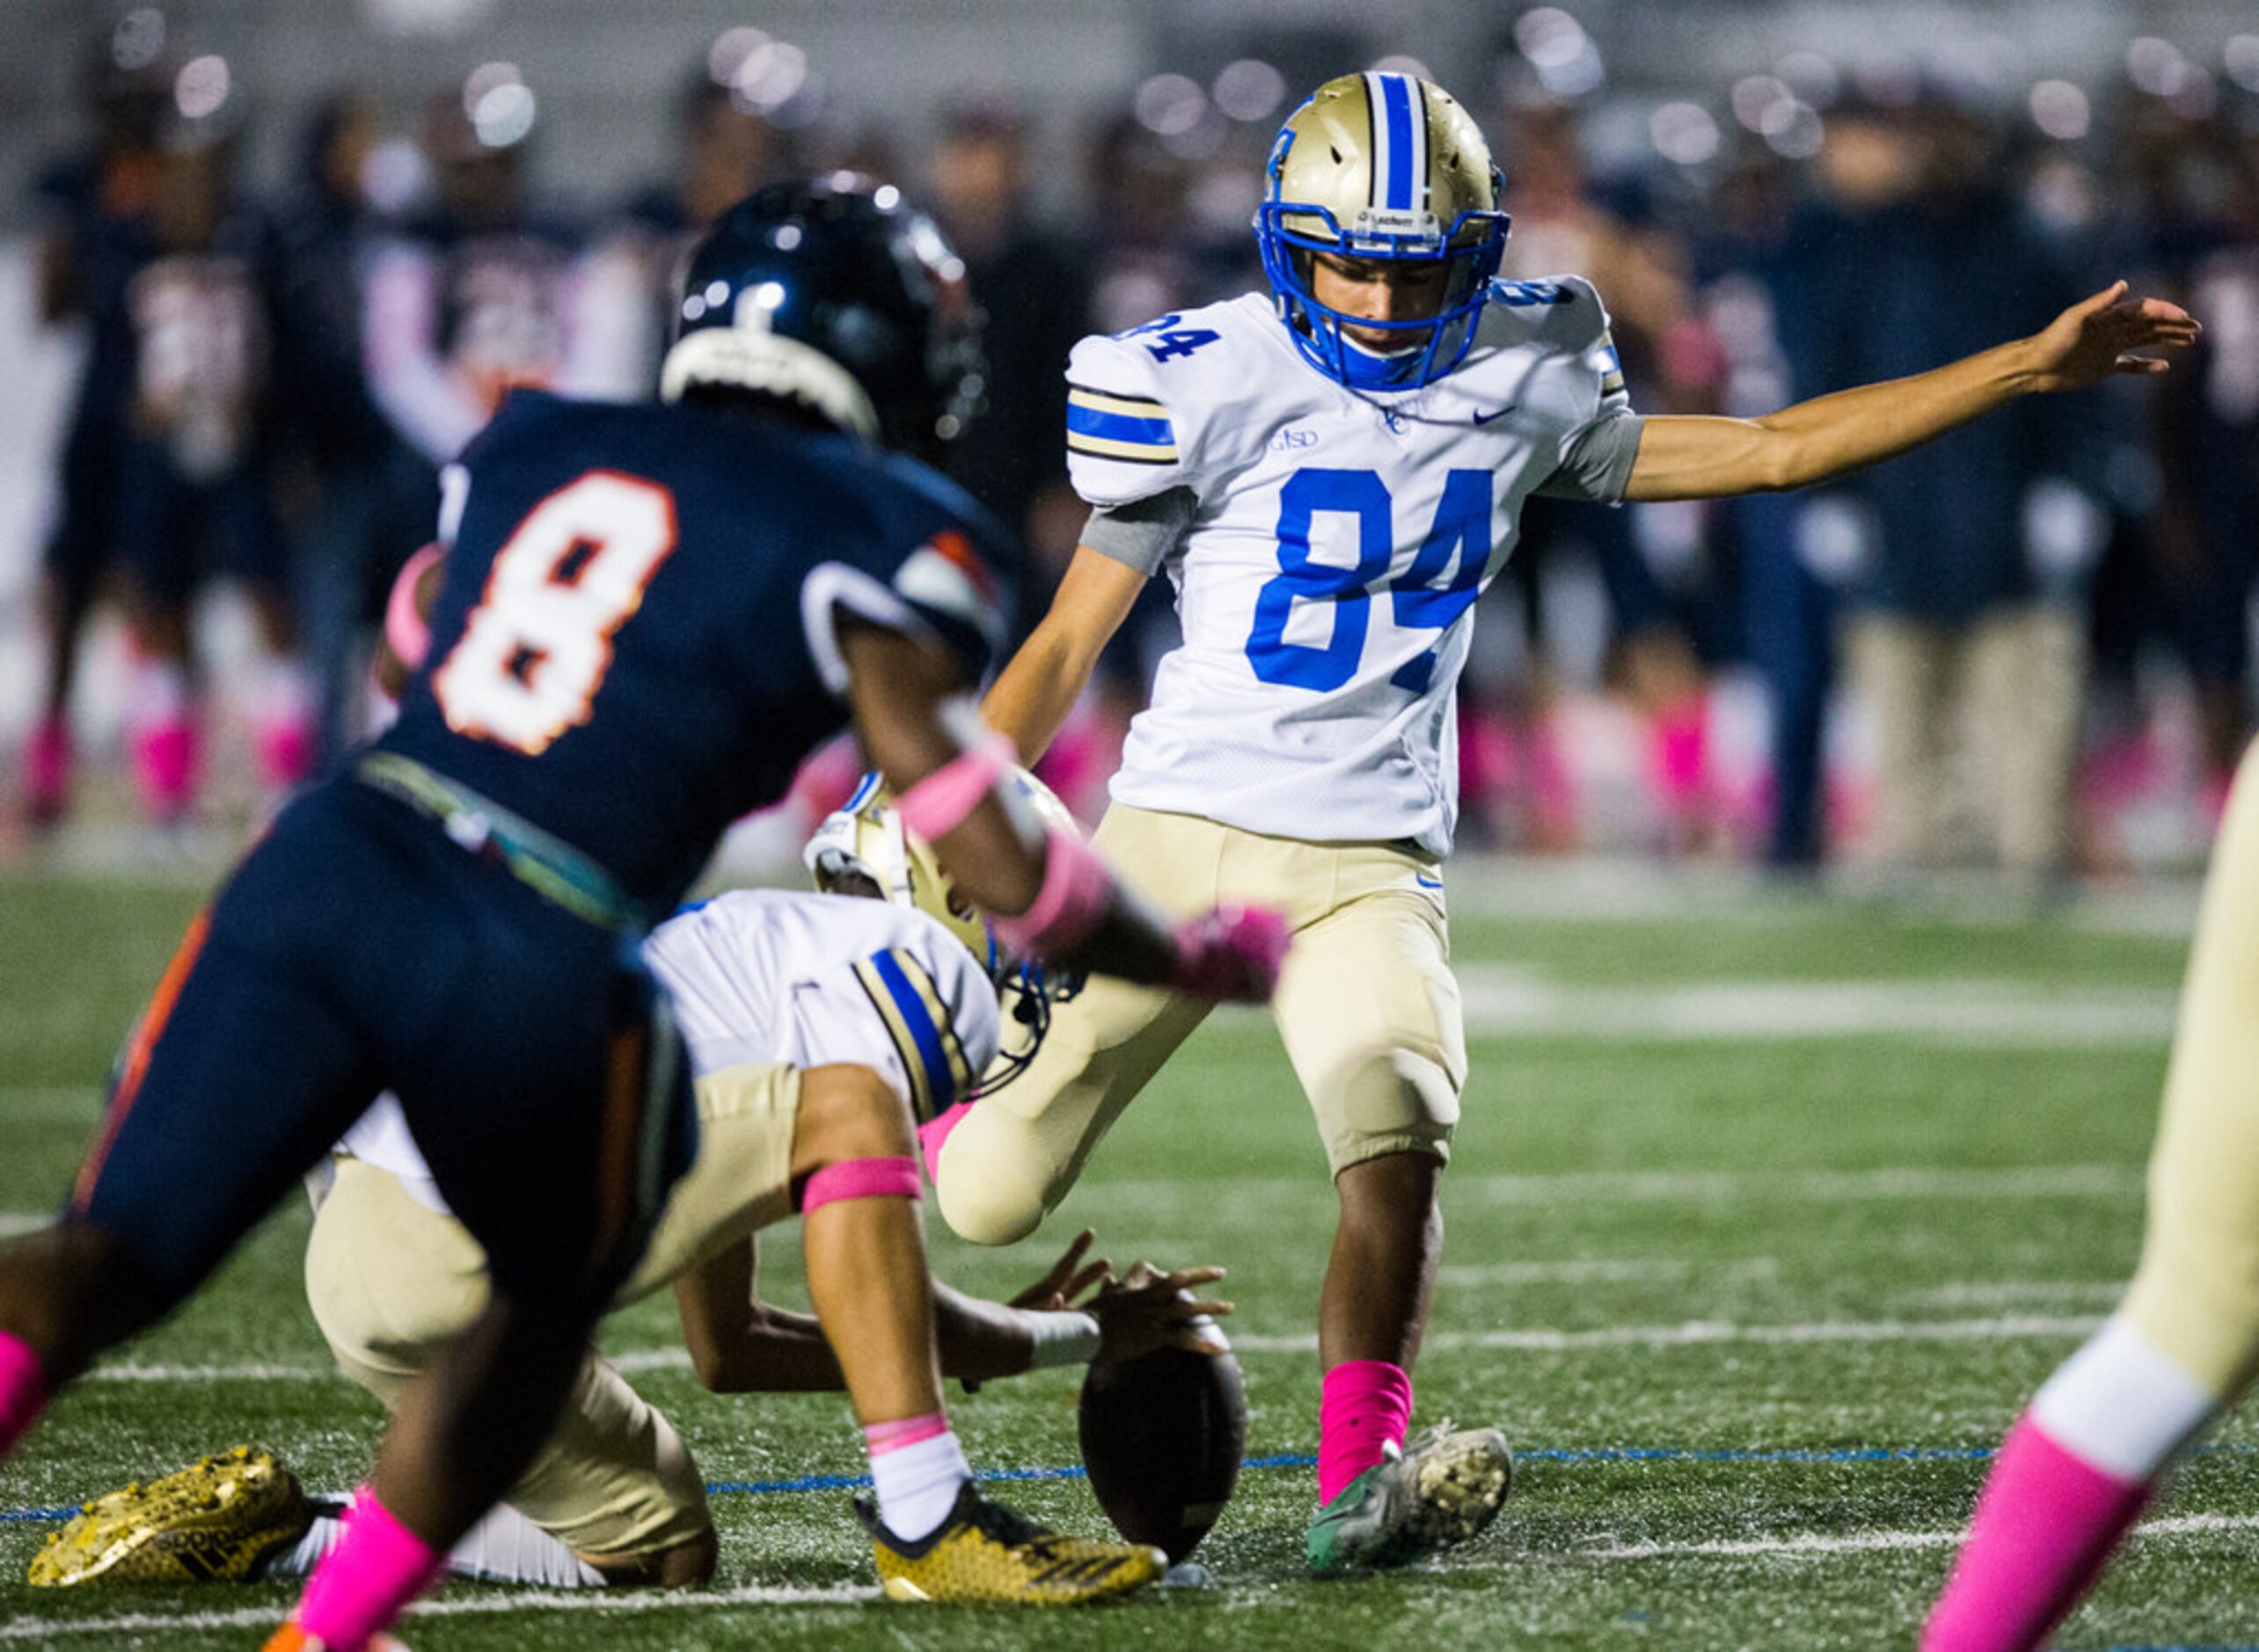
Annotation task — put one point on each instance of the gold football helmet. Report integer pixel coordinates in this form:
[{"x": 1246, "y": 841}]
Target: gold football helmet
[
  {"x": 1381, "y": 168},
  {"x": 863, "y": 848}
]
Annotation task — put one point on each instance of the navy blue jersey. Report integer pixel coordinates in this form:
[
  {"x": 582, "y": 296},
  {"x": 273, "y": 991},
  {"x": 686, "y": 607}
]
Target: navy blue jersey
[{"x": 634, "y": 642}]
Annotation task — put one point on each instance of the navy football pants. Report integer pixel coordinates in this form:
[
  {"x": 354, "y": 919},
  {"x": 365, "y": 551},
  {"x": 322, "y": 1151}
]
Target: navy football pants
[{"x": 357, "y": 949}]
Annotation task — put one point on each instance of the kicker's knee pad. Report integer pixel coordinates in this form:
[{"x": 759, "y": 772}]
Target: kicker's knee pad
[{"x": 995, "y": 1183}]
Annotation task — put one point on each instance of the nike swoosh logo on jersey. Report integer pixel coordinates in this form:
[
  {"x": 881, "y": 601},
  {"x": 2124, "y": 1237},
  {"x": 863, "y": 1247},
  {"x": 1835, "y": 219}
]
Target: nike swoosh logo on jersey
[{"x": 1496, "y": 413}]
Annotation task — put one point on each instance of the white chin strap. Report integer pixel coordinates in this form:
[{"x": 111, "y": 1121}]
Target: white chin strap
[{"x": 769, "y": 365}]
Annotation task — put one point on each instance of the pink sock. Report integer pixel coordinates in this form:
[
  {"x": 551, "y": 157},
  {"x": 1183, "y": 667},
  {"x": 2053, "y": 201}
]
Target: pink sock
[
  {"x": 167, "y": 757},
  {"x": 1364, "y": 1405},
  {"x": 23, "y": 1390},
  {"x": 283, "y": 713},
  {"x": 1553, "y": 788},
  {"x": 933, "y": 1136},
  {"x": 46, "y": 768},
  {"x": 2044, "y": 1525},
  {"x": 362, "y": 1584},
  {"x": 880, "y": 1437},
  {"x": 1680, "y": 759}
]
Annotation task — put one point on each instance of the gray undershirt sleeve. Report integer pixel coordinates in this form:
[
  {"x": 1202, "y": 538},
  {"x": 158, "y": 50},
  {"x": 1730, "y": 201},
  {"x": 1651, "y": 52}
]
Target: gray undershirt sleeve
[
  {"x": 1598, "y": 464},
  {"x": 1142, "y": 533}
]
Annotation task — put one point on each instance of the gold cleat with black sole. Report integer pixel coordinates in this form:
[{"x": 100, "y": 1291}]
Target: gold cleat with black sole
[
  {"x": 219, "y": 1521},
  {"x": 984, "y": 1552}
]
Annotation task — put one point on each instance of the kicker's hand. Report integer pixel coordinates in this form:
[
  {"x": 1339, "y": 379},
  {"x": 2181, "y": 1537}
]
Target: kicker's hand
[
  {"x": 2105, "y": 334},
  {"x": 1147, "y": 1309}
]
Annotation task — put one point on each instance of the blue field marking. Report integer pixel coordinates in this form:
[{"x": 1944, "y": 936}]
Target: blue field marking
[
  {"x": 1297, "y": 1459},
  {"x": 1679, "y": 1454}
]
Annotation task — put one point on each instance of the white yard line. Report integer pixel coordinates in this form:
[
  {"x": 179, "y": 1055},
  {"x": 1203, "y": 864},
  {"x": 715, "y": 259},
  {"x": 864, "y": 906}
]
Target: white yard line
[
  {"x": 15, "y": 1222},
  {"x": 1820, "y": 1543},
  {"x": 483, "y": 1605},
  {"x": 1688, "y": 1334},
  {"x": 1585, "y": 1270},
  {"x": 1257, "y": 1198},
  {"x": 1701, "y": 1333},
  {"x": 1502, "y": 999},
  {"x": 1799, "y": 1546},
  {"x": 2010, "y": 1293},
  {"x": 1599, "y": 890}
]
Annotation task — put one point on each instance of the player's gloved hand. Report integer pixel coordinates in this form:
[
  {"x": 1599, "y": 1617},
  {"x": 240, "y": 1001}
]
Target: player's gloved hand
[{"x": 1231, "y": 955}]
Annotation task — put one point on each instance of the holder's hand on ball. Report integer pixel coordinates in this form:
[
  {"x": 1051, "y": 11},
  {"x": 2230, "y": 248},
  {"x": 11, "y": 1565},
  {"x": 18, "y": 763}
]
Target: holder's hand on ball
[{"x": 1148, "y": 1309}]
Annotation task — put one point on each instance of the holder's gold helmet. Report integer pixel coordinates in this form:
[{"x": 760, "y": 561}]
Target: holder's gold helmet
[
  {"x": 1381, "y": 168},
  {"x": 863, "y": 848}
]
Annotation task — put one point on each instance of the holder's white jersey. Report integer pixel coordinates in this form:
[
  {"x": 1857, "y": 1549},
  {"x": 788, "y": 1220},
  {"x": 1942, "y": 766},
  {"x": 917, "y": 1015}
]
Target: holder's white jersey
[
  {"x": 767, "y": 976},
  {"x": 1336, "y": 541}
]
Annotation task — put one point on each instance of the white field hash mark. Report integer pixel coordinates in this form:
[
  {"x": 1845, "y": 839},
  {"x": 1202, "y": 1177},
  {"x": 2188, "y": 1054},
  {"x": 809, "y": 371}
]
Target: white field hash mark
[
  {"x": 1254, "y": 1198},
  {"x": 1793, "y": 1546},
  {"x": 1689, "y": 1333},
  {"x": 1700, "y": 1333},
  {"x": 469, "y": 1605},
  {"x": 1953, "y": 1012},
  {"x": 1821, "y": 1543}
]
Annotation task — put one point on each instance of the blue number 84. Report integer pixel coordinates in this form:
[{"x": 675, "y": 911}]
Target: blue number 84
[
  {"x": 1174, "y": 342},
  {"x": 1461, "y": 528}
]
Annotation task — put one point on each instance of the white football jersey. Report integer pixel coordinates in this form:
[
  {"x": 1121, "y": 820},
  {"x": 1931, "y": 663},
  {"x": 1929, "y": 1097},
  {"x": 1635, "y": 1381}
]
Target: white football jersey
[
  {"x": 769, "y": 976},
  {"x": 1336, "y": 543}
]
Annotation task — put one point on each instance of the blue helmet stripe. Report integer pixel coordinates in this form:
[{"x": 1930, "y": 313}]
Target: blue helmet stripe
[
  {"x": 1396, "y": 101},
  {"x": 918, "y": 1016}
]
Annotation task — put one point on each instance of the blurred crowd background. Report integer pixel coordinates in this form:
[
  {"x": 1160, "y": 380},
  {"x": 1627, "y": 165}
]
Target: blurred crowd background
[{"x": 264, "y": 267}]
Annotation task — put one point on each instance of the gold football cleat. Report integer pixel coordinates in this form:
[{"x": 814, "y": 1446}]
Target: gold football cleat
[
  {"x": 219, "y": 1521},
  {"x": 985, "y": 1551}
]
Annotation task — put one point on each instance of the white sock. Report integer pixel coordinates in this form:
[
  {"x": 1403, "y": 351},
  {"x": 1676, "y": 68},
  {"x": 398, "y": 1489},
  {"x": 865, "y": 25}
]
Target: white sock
[
  {"x": 505, "y": 1547},
  {"x": 157, "y": 692},
  {"x": 282, "y": 690},
  {"x": 918, "y": 1485},
  {"x": 2121, "y": 1406},
  {"x": 320, "y": 1538}
]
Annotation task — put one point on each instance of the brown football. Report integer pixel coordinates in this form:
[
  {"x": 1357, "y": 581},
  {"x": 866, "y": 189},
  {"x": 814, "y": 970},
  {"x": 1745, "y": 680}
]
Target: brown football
[{"x": 1162, "y": 1436}]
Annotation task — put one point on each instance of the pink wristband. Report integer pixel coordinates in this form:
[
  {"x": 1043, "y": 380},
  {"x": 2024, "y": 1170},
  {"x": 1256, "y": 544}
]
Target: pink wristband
[
  {"x": 937, "y": 804},
  {"x": 405, "y": 629},
  {"x": 1077, "y": 890},
  {"x": 377, "y": 1567},
  {"x": 860, "y": 1179}
]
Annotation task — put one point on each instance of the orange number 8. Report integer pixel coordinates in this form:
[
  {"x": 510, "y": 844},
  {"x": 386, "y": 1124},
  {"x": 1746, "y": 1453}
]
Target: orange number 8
[{"x": 537, "y": 646}]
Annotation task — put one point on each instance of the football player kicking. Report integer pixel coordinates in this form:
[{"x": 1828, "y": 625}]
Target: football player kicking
[
  {"x": 797, "y": 1010},
  {"x": 1331, "y": 473},
  {"x": 2082, "y": 1461},
  {"x": 650, "y": 615}
]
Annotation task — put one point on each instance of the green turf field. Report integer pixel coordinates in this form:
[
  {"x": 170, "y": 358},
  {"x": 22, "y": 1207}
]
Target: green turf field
[{"x": 1768, "y": 1213}]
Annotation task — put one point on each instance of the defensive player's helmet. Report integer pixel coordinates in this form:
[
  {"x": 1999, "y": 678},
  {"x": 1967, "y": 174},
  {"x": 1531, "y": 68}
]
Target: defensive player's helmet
[
  {"x": 863, "y": 848},
  {"x": 1381, "y": 168},
  {"x": 833, "y": 294}
]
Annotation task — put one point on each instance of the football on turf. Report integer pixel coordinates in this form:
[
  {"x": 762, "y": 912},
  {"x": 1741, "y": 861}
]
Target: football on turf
[{"x": 1162, "y": 1436}]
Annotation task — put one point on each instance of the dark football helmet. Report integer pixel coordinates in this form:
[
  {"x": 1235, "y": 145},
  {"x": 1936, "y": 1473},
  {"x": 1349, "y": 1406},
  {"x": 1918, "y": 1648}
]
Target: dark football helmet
[{"x": 833, "y": 294}]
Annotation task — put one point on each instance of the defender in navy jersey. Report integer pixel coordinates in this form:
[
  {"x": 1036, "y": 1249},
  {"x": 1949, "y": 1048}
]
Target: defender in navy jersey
[
  {"x": 735, "y": 546},
  {"x": 455, "y": 918}
]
